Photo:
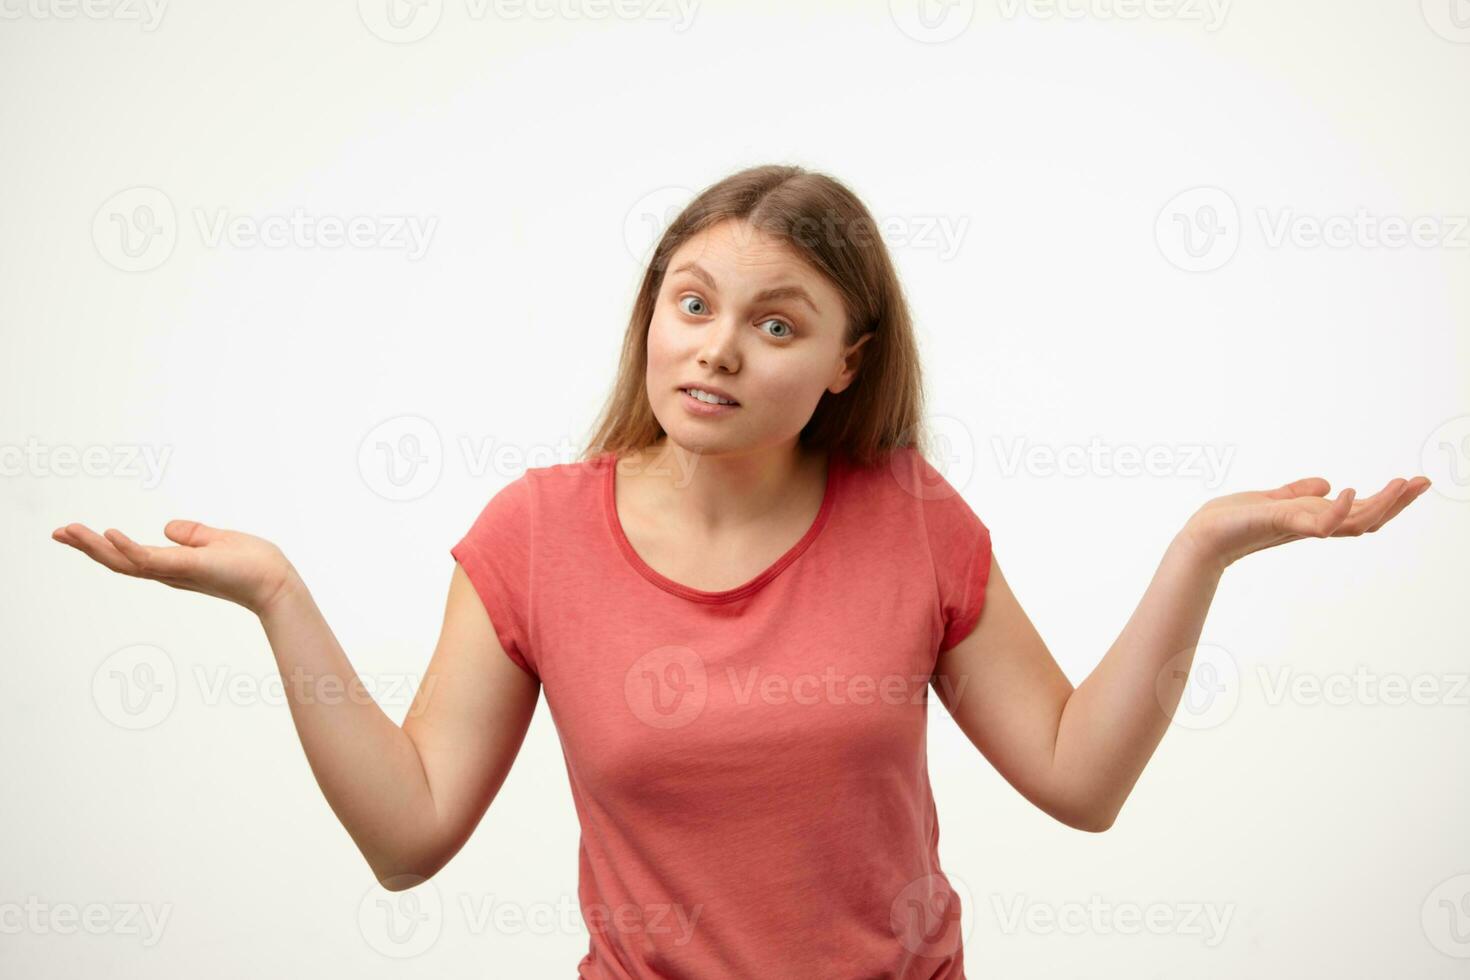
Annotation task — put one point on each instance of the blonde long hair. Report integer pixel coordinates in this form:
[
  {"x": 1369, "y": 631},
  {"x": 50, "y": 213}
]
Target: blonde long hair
[{"x": 882, "y": 409}]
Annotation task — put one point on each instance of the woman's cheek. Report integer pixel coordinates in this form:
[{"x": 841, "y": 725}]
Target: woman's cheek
[{"x": 659, "y": 358}]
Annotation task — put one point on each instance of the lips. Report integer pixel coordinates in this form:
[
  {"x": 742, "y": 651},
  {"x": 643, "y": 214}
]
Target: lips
[{"x": 712, "y": 390}]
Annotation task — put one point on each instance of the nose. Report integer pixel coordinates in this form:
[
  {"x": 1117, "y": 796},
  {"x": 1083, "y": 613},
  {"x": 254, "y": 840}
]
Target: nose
[{"x": 719, "y": 348}]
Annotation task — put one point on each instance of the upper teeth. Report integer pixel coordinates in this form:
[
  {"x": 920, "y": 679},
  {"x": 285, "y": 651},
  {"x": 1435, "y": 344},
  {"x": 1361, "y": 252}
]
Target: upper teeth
[{"x": 705, "y": 396}]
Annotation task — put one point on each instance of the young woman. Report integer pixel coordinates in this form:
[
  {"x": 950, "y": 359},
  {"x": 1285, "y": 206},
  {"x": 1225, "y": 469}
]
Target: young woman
[{"x": 736, "y": 601}]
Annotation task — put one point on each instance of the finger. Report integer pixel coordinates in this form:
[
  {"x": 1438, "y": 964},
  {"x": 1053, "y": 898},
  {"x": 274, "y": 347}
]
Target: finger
[
  {"x": 1407, "y": 496},
  {"x": 1370, "y": 510},
  {"x": 1332, "y": 517},
  {"x": 1310, "y": 486},
  {"x": 96, "y": 547},
  {"x": 150, "y": 561},
  {"x": 1311, "y": 518},
  {"x": 191, "y": 533}
]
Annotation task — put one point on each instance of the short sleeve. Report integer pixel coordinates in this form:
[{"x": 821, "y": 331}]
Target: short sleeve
[
  {"x": 496, "y": 556},
  {"x": 959, "y": 544}
]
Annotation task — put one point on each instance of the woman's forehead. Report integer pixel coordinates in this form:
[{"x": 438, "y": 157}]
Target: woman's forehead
[{"x": 745, "y": 253}]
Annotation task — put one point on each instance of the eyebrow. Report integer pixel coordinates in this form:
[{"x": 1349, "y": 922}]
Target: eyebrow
[{"x": 778, "y": 292}]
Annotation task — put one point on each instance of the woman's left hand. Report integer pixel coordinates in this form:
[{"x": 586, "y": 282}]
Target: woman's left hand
[{"x": 1233, "y": 526}]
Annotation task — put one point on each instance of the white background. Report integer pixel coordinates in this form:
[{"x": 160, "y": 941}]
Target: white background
[{"x": 1052, "y": 143}]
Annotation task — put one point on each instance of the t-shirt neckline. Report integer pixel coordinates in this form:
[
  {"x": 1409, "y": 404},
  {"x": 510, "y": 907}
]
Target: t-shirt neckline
[{"x": 829, "y": 496}]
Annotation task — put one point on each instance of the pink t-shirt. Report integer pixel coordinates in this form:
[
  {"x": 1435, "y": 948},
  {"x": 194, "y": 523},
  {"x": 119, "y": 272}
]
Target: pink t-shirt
[{"x": 749, "y": 766}]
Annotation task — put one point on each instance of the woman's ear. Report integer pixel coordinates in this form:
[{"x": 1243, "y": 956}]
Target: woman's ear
[{"x": 852, "y": 356}]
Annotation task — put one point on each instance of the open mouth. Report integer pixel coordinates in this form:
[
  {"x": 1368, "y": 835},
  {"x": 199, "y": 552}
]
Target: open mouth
[{"x": 708, "y": 398}]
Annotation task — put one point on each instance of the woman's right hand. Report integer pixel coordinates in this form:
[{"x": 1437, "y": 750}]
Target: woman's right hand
[{"x": 230, "y": 565}]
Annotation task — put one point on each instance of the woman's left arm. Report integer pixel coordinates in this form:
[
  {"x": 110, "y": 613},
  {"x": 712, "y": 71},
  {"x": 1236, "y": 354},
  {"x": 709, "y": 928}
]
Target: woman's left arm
[{"x": 1077, "y": 753}]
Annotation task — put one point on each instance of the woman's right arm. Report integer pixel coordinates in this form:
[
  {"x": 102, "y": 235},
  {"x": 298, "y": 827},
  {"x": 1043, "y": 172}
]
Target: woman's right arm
[{"x": 409, "y": 796}]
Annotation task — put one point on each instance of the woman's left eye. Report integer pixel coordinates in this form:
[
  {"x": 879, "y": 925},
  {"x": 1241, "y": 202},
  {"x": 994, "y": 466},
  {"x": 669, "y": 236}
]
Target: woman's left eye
[{"x": 782, "y": 323}]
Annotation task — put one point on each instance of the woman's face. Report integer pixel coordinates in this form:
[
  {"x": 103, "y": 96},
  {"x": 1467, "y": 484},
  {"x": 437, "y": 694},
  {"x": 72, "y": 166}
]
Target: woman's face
[{"x": 741, "y": 312}]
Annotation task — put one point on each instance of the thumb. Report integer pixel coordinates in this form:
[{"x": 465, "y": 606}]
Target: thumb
[
  {"x": 191, "y": 532},
  {"x": 1313, "y": 486}
]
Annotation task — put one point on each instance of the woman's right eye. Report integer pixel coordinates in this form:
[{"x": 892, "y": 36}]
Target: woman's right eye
[{"x": 696, "y": 299}]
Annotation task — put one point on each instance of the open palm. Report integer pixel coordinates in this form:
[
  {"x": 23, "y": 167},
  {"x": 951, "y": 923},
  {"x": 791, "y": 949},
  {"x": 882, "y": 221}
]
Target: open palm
[
  {"x": 1233, "y": 526},
  {"x": 227, "y": 564}
]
